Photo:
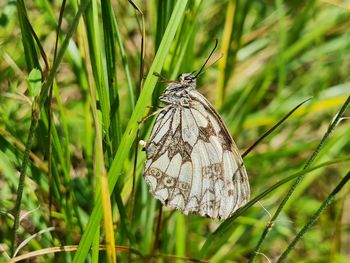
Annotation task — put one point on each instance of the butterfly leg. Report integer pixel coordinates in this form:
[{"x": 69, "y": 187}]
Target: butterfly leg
[
  {"x": 149, "y": 116},
  {"x": 153, "y": 113},
  {"x": 154, "y": 107}
]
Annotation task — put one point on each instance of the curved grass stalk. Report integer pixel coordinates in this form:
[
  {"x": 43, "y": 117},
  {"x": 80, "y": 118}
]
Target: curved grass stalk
[
  {"x": 216, "y": 239},
  {"x": 315, "y": 217},
  {"x": 268, "y": 227}
]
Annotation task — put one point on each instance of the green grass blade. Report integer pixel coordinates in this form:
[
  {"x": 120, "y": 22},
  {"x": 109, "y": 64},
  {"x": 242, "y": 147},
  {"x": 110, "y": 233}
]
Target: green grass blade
[{"x": 111, "y": 63}]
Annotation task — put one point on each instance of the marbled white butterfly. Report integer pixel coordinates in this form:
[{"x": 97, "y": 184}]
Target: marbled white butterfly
[{"x": 193, "y": 164}]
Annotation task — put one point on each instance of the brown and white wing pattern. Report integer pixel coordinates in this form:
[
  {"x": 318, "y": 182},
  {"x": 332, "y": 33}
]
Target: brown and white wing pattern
[{"x": 193, "y": 164}]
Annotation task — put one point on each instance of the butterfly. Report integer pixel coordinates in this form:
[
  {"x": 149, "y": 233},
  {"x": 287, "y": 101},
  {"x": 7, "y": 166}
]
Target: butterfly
[{"x": 192, "y": 163}]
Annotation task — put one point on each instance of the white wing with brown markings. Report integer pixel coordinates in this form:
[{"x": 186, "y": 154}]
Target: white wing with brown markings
[{"x": 193, "y": 164}]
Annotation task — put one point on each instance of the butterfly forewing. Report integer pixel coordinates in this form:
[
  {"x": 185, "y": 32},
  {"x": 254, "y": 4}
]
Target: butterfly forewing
[{"x": 193, "y": 164}]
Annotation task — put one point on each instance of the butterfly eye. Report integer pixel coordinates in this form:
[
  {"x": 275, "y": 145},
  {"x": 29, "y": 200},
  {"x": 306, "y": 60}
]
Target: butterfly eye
[{"x": 189, "y": 77}]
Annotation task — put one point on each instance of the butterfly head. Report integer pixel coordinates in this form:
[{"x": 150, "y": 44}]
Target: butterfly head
[
  {"x": 176, "y": 91},
  {"x": 188, "y": 80}
]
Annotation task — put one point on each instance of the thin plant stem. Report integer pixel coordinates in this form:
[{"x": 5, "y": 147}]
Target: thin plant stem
[
  {"x": 60, "y": 19},
  {"x": 315, "y": 217},
  {"x": 132, "y": 193},
  {"x": 20, "y": 188},
  {"x": 273, "y": 128},
  {"x": 33, "y": 124},
  {"x": 140, "y": 84},
  {"x": 143, "y": 39},
  {"x": 159, "y": 224},
  {"x": 300, "y": 178}
]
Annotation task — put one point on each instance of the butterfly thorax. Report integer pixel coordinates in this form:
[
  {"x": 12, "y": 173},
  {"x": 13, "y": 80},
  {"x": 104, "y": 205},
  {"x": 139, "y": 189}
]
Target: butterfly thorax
[{"x": 177, "y": 92}]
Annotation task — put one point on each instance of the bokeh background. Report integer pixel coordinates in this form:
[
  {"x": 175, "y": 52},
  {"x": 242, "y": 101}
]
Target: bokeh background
[{"x": 84, "y": 105}]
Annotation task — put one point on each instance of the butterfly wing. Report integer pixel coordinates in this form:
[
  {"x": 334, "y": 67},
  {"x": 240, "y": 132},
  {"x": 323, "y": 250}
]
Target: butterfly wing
[{"x": 193, "y": 164}]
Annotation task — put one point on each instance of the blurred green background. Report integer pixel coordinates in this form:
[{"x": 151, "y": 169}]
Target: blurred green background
[{"x": 84, "y": 105}]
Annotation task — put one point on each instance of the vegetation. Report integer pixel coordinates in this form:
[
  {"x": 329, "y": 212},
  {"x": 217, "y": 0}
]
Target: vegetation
[{"x": 76, "y": 79}]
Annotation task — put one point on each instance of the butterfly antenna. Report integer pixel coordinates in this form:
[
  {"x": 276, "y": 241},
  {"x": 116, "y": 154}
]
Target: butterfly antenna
[{"x": 205, "y": 63}]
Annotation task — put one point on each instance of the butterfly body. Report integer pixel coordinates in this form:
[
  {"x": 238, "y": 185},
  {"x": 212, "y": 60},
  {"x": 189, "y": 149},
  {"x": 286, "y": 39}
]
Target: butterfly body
[
  {"x": 193, "y": 164},
  {"x": 178, "y": 92}
]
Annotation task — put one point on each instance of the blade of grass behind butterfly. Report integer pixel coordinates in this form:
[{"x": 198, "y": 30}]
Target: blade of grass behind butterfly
[
  {"x": 282, "y": 38},
  {"x": 144, "y": 214},
  {"x": 100, "y": 173},
  {"x": 98, "y": 64},
  {"x": 110, "y": 26},
  {"x": 124, "y": 62},
  {"x": 163, "y": 13},
  {"x": 110, "y": 57},
  {"x": 233, "y": 31},
  {"x": 164, "y": 9},
  {"x": 105, "y": 80},
  {"x": 225, "y": 45},
  {"x": 130, "y": 132},
  {"x": 179, "y": 49},
  {"x": 140, "y": 19},
  {"x": 181, "y": 46}
]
